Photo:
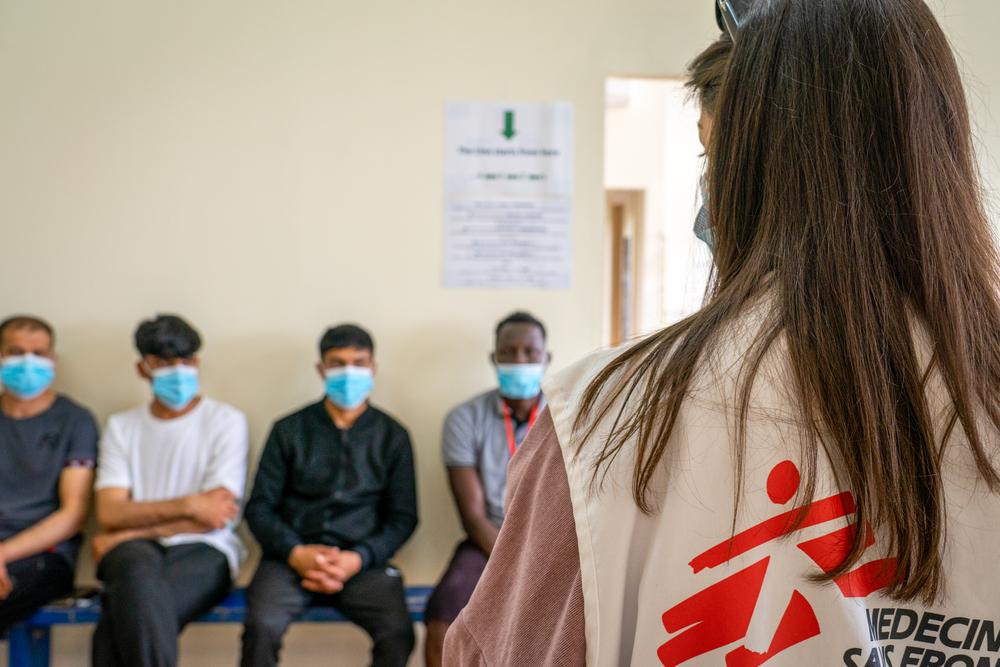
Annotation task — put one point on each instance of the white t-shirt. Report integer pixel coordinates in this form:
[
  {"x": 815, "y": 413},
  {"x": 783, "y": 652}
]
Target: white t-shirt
[{"x": 161, "y": 459}]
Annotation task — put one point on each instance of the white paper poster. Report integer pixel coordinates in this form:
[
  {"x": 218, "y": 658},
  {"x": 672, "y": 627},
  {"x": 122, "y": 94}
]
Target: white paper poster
[{"x": 508, "y": 194}]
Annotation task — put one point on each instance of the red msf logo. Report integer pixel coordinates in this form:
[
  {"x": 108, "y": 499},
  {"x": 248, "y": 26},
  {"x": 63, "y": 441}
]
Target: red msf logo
[{"x": 720, "y": 614}]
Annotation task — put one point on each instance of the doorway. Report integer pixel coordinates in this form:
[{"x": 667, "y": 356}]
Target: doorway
[
  {"x": 658, "y": 270},
  {"x": 625, "y": 215}
]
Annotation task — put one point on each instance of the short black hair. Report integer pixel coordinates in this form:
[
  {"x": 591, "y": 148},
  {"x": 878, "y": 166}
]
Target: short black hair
[
  {"x": 29, "y": 322},
  {"x": 346, "y": 335},
  {"x": 521, "y": 317},
  {"x": 167, "y": 337}
]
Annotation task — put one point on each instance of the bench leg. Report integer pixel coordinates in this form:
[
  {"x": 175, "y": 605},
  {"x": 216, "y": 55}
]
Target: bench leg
[{"x": 29, "y": 646}]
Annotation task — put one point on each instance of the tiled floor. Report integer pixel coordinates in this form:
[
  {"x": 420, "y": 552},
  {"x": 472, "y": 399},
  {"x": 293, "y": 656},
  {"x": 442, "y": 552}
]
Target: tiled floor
[{"x": 218, "y": 645}]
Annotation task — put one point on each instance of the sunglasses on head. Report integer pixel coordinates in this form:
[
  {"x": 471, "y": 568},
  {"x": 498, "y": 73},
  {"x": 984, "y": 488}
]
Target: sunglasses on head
[{"x": 727, "y": 18}]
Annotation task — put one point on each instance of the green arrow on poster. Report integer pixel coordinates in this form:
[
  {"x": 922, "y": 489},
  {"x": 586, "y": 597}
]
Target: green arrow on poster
[{"x": 508, "y": 125}]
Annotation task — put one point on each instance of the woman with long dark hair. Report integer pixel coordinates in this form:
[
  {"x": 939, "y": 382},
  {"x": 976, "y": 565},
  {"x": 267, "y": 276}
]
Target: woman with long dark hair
[{"x": 806, "y": 470}]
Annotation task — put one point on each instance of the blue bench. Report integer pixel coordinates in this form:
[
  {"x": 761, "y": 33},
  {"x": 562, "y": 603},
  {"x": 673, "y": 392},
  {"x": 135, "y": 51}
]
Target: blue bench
[{"x": 30, "y": 643}]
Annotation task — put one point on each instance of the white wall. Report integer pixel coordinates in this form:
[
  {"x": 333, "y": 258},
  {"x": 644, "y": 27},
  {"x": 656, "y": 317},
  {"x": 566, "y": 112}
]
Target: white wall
[
  {"x": 972, "y": 27},
  {"x": 268, "y": 168}
]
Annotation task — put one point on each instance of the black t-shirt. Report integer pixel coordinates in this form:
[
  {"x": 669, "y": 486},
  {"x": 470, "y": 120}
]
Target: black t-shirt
[{"x": 33, "y": 454}]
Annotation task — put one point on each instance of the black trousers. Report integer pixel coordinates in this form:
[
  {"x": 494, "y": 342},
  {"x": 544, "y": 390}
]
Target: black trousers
[
  {"x": 150, "y": 593},
  {"x": 375, "y": 600},
  {"x": 37, "y": 581}
]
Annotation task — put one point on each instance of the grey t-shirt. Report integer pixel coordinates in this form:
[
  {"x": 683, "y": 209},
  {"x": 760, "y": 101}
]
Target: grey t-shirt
[
  {"x": 33, "y": 454},
  {"x": 475, "y": 436}
]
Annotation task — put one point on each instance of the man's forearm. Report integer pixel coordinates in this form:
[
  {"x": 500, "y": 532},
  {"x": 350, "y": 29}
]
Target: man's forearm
[
  {"x": 105, "y": 542},
  {"x": 129, "y": 515},
  {"x": 157, "y": 531},
  {"x": 380, "y": 547},
  {"x": 275, "y": 537},
  {"x": 482, "y": 533},
  {"x": 470, "y": 499},
  {"x": 47, "y": 533}
]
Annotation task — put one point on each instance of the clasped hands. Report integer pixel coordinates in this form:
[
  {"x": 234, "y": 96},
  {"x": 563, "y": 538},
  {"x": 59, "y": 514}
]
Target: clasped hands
[{"x": 324, "y": 569}]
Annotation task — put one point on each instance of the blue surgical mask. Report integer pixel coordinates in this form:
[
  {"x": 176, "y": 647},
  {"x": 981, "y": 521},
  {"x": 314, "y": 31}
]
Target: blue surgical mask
[
  {"x": 520, "y": 381},
  {"x": 703, "y": 224},
  {"x": 27, "y": 376},
  {"x": 348, "y": 387},
  {"x": 175, "y": 386}
]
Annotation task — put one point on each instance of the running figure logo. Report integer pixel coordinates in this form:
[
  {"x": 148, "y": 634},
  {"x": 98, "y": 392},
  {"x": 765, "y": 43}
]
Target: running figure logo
[{"x": 720, "y": 614}]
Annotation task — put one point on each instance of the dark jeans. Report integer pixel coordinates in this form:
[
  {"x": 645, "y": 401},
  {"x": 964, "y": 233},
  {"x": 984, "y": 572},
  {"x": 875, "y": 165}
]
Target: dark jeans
[
  {"x": 37, "y": 581},
  {"x": 374, "y": 600},
  {"x": 150, "y": 593}
]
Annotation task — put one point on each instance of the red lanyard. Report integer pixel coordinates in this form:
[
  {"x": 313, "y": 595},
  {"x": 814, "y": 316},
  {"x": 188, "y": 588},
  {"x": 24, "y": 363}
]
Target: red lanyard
[{"x": 508, "y": 423}]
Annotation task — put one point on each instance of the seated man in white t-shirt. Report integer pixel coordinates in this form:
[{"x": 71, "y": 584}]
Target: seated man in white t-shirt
[{"x": 169, "y": 482}]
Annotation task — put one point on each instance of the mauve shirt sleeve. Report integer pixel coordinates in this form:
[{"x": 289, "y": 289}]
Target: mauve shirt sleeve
[{"x": 528, "y": 606}]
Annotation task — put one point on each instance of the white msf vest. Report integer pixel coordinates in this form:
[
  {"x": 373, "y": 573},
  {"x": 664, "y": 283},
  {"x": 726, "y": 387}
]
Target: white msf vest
[{"x": 679, "y": 588}]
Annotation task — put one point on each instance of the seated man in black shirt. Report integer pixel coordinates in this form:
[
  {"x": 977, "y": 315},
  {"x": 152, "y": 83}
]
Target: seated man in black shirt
[
  {"x": 333, "y": 500},
  {"x": 48, "y": 445}
]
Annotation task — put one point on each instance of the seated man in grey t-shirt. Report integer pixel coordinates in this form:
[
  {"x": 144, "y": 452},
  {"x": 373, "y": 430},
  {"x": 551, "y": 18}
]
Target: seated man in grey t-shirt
[
  {"x": 48, "y": 445},
  {"x": 480, "y": 437}
]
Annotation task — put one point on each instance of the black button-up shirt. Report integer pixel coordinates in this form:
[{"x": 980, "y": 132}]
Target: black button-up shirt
[{"x": 316, "y": 484}]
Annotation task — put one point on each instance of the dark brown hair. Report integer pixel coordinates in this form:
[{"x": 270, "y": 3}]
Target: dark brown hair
[
  {"x": 707, "y": 70},
  {"x": 29, "y": 322},
  {"x": 844, "y": 193}
]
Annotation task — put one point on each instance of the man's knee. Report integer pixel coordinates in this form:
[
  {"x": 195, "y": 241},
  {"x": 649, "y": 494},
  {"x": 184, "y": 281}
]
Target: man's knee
[
  {"x": 131, "y": 558},
  {"x": 436, "y": 630},
  {"x": 265, "y": 624},
  {"x": 398, "y": 635}
]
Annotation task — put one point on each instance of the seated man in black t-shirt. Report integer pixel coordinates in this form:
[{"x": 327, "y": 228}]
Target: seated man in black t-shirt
[
  {"x": 48, "y": 445},
  {"x": 334, "y": 499}
]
